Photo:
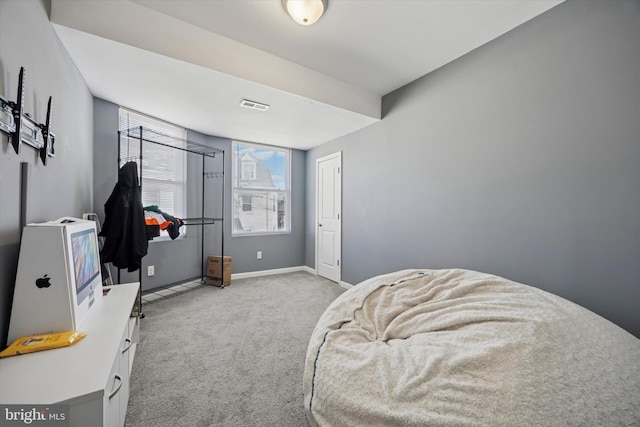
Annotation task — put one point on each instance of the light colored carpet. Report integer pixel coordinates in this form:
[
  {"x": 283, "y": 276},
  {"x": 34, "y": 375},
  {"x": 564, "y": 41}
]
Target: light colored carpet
[{"x": 228, "y": 357}]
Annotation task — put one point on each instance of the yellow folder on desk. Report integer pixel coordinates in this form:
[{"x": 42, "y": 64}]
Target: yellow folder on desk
[{"x": 30, "y": 344}]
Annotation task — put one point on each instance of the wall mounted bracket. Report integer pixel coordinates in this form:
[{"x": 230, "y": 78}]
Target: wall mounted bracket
[{"x": 21, "y": 127}]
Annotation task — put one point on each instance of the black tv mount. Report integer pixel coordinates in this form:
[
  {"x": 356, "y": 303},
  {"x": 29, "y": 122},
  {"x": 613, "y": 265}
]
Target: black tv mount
[{"x": 21, "y": 127}]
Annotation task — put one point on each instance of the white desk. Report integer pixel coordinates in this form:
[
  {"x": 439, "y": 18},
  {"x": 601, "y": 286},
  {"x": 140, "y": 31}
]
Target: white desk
[{"x": 92, "y": 376}]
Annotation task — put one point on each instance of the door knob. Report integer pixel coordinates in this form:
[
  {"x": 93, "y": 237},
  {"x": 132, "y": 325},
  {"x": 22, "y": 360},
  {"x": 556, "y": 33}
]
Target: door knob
[{"x": 319, "y": 225}]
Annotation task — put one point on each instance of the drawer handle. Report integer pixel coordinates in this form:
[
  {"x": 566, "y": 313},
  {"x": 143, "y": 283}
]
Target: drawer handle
[
  {"x": 114, "y": 392},
  {"x": 127, "y": 345}
]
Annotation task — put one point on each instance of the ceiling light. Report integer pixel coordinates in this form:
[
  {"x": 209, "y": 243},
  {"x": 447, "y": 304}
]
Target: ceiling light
[{"x": 305, "y": 12}]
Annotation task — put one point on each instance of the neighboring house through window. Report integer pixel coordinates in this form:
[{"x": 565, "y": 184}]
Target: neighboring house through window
[
  {"x": 248, "y": 167},
  {"x": 163, "y": 168},
  {"x": 247, "y": 200},
  {"x": 261, "y": 189}
]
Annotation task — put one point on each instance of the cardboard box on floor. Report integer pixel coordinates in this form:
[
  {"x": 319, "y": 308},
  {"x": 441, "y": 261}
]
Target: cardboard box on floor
[{"x": 214, "y": 271}]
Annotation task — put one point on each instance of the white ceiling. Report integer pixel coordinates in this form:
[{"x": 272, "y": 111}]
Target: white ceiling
[{"x": 191, "y": 62}]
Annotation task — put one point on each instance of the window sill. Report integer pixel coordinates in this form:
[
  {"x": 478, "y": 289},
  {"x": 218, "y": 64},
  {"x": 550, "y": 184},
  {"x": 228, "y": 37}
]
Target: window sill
[
  {"x": 166, "y": 238},
  {"x": 260, "y": 233}
]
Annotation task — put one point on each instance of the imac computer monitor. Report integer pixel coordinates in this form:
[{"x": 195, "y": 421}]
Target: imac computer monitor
[
  {"x": 86, "y": 261},
  {"x": 58, "y": 282}
]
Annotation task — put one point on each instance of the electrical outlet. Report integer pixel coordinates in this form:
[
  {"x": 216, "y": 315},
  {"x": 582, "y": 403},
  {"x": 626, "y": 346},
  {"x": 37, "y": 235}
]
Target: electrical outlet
[
  {"x": 259, "y": 255},
  {"x": 150, "y": 271}
]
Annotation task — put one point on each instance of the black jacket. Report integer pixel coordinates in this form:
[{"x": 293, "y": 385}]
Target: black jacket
[{"x": 124, "y": 227}]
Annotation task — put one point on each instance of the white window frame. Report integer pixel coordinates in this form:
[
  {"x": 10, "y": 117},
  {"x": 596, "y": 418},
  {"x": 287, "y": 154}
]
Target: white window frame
[
  {"x": 128, "y": 119},
  {"x": 271, "y": 203}
]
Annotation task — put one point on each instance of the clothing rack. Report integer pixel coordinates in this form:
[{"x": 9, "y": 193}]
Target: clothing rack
[{"x": 145, "y": 135}]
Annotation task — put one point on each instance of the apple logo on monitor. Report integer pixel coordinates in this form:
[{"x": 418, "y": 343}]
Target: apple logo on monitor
[{"x": 43, "y": 282}]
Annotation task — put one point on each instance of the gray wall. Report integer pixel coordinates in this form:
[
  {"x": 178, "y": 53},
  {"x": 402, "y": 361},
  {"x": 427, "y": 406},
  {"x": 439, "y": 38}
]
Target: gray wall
[
  {"x": 64, "y": 186},
  {"x": 177, "y": 260},
  {"x": 520, "y": 159}
]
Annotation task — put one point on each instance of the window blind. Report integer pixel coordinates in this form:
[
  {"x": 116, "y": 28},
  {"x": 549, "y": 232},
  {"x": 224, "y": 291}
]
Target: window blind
[{"x": 163, "y": 168}]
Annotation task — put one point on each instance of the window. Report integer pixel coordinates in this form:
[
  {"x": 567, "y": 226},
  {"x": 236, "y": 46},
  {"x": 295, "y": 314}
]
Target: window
[
  {"x": 248, "y": 169},
  {"x": 163, "y": 168},
  {"x": 246, "y": 202},
  {"x": 261, "y": 189}
]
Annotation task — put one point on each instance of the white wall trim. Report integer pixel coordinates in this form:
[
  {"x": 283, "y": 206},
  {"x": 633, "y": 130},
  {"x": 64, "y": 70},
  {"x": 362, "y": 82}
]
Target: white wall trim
[
  {"x": 346, "y": 285},
  {"x": 310, "y": 270},
  {"x": 235, "y": 276}
]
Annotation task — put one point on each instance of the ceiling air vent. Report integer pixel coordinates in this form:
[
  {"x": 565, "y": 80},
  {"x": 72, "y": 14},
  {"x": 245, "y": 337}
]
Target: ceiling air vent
[{"x": 253, "y": 105}]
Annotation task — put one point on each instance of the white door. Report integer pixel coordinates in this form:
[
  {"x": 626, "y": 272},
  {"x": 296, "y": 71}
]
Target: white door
[{"x": 329, "y": 206}]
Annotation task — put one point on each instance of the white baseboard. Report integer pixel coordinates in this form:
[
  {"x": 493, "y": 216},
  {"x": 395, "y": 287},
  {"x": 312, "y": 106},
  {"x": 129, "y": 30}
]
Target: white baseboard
[
  {"x": 310, "y": 270},
  {"x": 283, "y": 271},
  {"x": 272, "y": 272},
  {"x": 346, "y": 285}
]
